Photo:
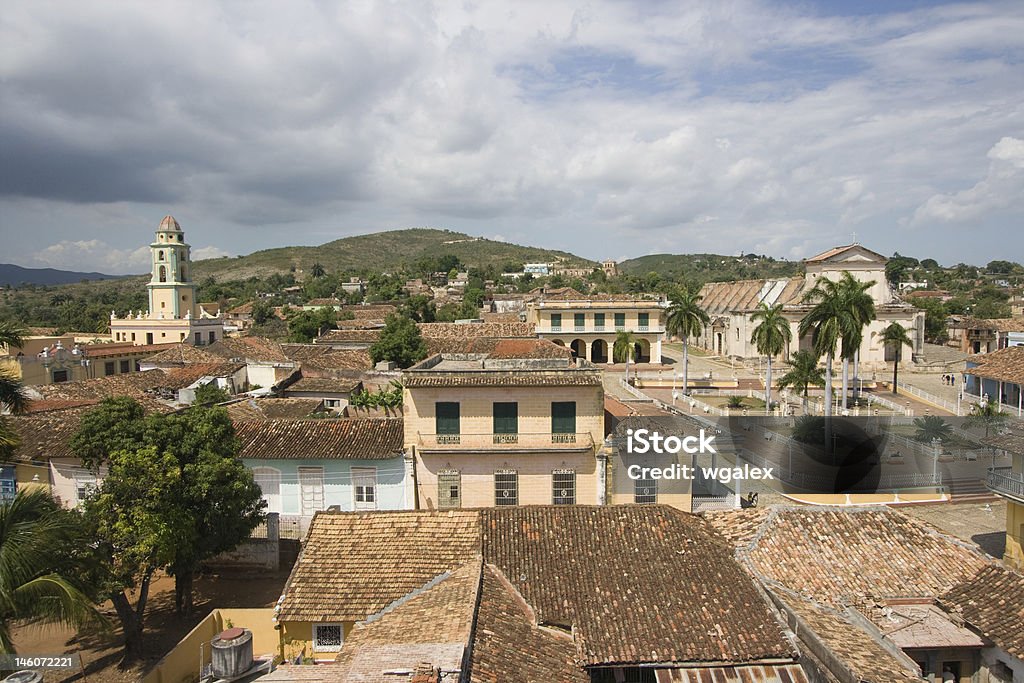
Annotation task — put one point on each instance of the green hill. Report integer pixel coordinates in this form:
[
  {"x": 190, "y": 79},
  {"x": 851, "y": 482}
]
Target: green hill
[
  {"x": 381, "y": 251},
  {"x": 710, "y": 267}
]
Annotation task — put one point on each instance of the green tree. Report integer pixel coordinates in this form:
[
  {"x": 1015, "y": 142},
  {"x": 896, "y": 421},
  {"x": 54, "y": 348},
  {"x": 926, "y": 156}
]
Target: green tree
[
  {"x": 895, "y": 336},
  {"x": 400, "y": 342},
  {"x": 13, "y": 398},
  {"x": 684, "y": 319},
  {"x": 382, "y": 398},
  {"x": 809, "y": 429},
  {"x": 209, "y": 394},
  {"x": 175, "y": 495},
  {"x": 304, "y": 326},
  {"x": 770, "y": 337},
  {"x": 624, "y": 349},
  {"x": 987, "y": 415},
  {"x": 861, "y": 308},
  {"x": 935, "y": 315},
  {"x": 803, "y": 372},
  {"x": 835, "y": 316},
  {"x": 40, "y": 572},
  {"x": 261, "y": 312},
  {"x": 317, "y": 270},
  {"x": 932, "y": 427}
]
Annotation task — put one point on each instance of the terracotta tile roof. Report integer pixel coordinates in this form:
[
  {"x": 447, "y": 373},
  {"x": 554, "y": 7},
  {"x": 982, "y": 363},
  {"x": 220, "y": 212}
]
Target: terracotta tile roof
[
  {"x": 324, "y": 385},
  {"x": 330, "y": 438},
  {"x": 301, "y": 352},
  {"x": 471, "y": 330},
  {"x": 370, "y": 311},
  {"x": 142, "y": 386},
  {"x": 1012, "y": 441},
  {"x": 744, "y": 295},
  {"x": 343, "y": 359},
  {"x": 568, "y": 377},
  {"x": 323, "y": 302},
  {"x": 997, "y": 324},
  {"x": 349, "y": 337},
  {"x": 508, "y": 644},
  {"x": 241, "y": 309},
  {"x": 759, "y": 673},
  {"x": 833, "y": 555},
  {"x": 179, "y": 378},
  {"x": 1005, "y": 365},
  {"x": 100, "y": 351},
  {"x": 355, "y": 564},
  {"x": 274, "y": 408},
  {"x": 920, "y": 625},
  {"x": 992, "y": 602},
  {"x": 46, "y": 435},
  {"x": 432, "y": 624},
  {"x": 259, "y": 349},
  {"x": 183, "y": 354},
  {"x": 738, "y": 526},
  {"x": 862, "y": 655},
  {"x": 499, "y": 317},
  {"x": 50, "y": 405},
  {"x": 687, "y": 600}
]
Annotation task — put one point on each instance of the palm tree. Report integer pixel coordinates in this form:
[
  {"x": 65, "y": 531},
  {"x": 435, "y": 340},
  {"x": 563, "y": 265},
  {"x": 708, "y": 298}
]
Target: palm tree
[
  {"x": 895, "y": 335},
  {"x": 12, "y": 334},
  {"x": 803, "y": 372},
  {"x": 862, "y": 309},
  {"x": 317, "y": 270},
  {"x": 770, "y": 336},
  {"x": 826, "y": 322},
  {"x": 987, "y": 415},
  {"x": 931, "y": 428},
  {"x": 624, "y": 349},
  {"x": 684, "y": 319},
  {"x": 36, "y": 568}
]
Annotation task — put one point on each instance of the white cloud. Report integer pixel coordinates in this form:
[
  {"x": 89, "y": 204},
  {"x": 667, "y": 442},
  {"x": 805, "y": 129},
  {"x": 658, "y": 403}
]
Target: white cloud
[
  {"x": 208, "y": 252},
  {"x": 89, "y": 255},
  {"x": 1001, "y": 187},
  {"x": 631, "y": 122}
]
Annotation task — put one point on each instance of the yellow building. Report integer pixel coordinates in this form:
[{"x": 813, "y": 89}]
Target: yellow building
[
  {"x": 53, "y": 360},
  {"x": 520, "y": 424},
  {"x": 173, "y": 315},
  {"x": 587, "y": 324},
  {"x": 1008, "y": 482}
]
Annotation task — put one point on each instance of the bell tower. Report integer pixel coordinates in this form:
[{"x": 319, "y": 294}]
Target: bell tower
[{"x": 171, "y": 290}]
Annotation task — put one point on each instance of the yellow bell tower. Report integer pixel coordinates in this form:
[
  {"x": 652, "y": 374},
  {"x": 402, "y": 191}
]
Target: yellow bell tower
[
  {"x": 174, "y": 315},
  {"x": 171, "y": 290}
]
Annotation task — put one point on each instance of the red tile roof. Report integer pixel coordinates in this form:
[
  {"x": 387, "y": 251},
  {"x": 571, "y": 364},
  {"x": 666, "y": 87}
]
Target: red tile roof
[
  {"x": 992, "y": 602},
  {"x": 330, "y": 438}
]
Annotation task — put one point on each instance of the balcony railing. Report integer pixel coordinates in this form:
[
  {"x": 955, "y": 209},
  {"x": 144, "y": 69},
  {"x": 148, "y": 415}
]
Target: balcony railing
[
  {"x": 581, "y": 328},
  {"x": 506, "y": 442},
  {"x": 643, "y": 328},
  {"x": 1005, "y": 481}
]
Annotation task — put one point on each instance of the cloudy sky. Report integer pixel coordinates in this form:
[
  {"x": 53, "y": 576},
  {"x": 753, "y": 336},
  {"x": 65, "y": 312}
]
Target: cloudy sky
[{"x": 610, "y": 129}]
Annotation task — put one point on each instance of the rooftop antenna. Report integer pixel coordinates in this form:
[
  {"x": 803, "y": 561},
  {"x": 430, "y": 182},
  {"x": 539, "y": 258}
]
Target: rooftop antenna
[{"x": 855, "y": 238}]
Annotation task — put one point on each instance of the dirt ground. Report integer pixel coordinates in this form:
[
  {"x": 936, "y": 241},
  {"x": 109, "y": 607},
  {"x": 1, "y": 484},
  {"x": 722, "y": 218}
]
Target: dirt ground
[{"x": 102, "y": 653}]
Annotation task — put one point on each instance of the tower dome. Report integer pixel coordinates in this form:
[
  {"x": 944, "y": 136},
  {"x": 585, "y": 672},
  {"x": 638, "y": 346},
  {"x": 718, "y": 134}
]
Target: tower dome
[{"x": 168, "y": 223}]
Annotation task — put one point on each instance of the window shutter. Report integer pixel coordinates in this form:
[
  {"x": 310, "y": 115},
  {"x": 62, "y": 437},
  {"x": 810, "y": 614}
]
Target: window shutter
[
  {"x": 506, "y": 418},
  {"x": 563, "y": 417},
  {"x": 446, "y": 418}
]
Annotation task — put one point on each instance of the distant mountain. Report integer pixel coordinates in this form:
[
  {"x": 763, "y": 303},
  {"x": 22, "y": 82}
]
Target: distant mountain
[
  {"x": 13, "y": 275},
  {"x": 711, "y": 267},
  {"x": 381, "y": 251}
]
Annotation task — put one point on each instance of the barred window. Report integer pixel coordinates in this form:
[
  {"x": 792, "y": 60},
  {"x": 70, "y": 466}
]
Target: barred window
[
  {"x": 563, "y": 487},
  {"x": 645, "y": 491},
  {"x": 506, "y": 487},
  {"x": 327, "y": 637},
  {"x": 449, "y": 489}
]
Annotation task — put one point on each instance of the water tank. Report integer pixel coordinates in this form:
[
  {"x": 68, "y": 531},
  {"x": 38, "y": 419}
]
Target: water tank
[
  {"x": 24, "y": 677},
  {"x": 232, "y": 653}
]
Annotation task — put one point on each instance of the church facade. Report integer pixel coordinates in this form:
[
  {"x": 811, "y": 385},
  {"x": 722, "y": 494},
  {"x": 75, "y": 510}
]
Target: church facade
[
  {"x": 174, "y": 315},
  {"x": 731, "y": 306}
]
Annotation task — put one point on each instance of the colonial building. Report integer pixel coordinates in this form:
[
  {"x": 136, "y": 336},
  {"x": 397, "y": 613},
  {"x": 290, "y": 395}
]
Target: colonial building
[
  {"x": 1008, "y": 482},
  {"x": 173, "y": 315},
  {"x": 50, "y": 360},
  {"x": 517, "y": 422},
  {"x": 609, "y": 267},
  {"x": 572, "y": 594},
  {"x": 731, "y": 306},
  {"x": 588, "y": 324}
]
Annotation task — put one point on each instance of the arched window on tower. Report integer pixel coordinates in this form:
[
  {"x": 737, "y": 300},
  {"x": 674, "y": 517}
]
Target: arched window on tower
[
  {"x": 184, "y": 276},
  {"x": 163, "y": 273}
]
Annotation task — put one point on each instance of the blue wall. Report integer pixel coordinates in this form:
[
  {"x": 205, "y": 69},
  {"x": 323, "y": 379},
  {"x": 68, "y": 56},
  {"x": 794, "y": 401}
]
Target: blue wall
[{"x": 391, "y": 494}]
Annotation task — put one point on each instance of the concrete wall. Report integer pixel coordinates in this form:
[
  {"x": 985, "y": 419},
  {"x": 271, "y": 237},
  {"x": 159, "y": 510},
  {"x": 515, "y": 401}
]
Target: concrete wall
[
  {"x": 296, "y": 641},
  {"x": 181, "y": 664},
  {"x": 258, "y": 553},
  {"x": 534, "y": 476},
  {"x": 1014, "y": 554}
]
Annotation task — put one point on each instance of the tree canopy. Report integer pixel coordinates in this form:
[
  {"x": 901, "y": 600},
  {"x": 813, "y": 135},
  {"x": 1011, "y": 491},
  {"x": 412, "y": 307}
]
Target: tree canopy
[{"x": 400, "y": 342}]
